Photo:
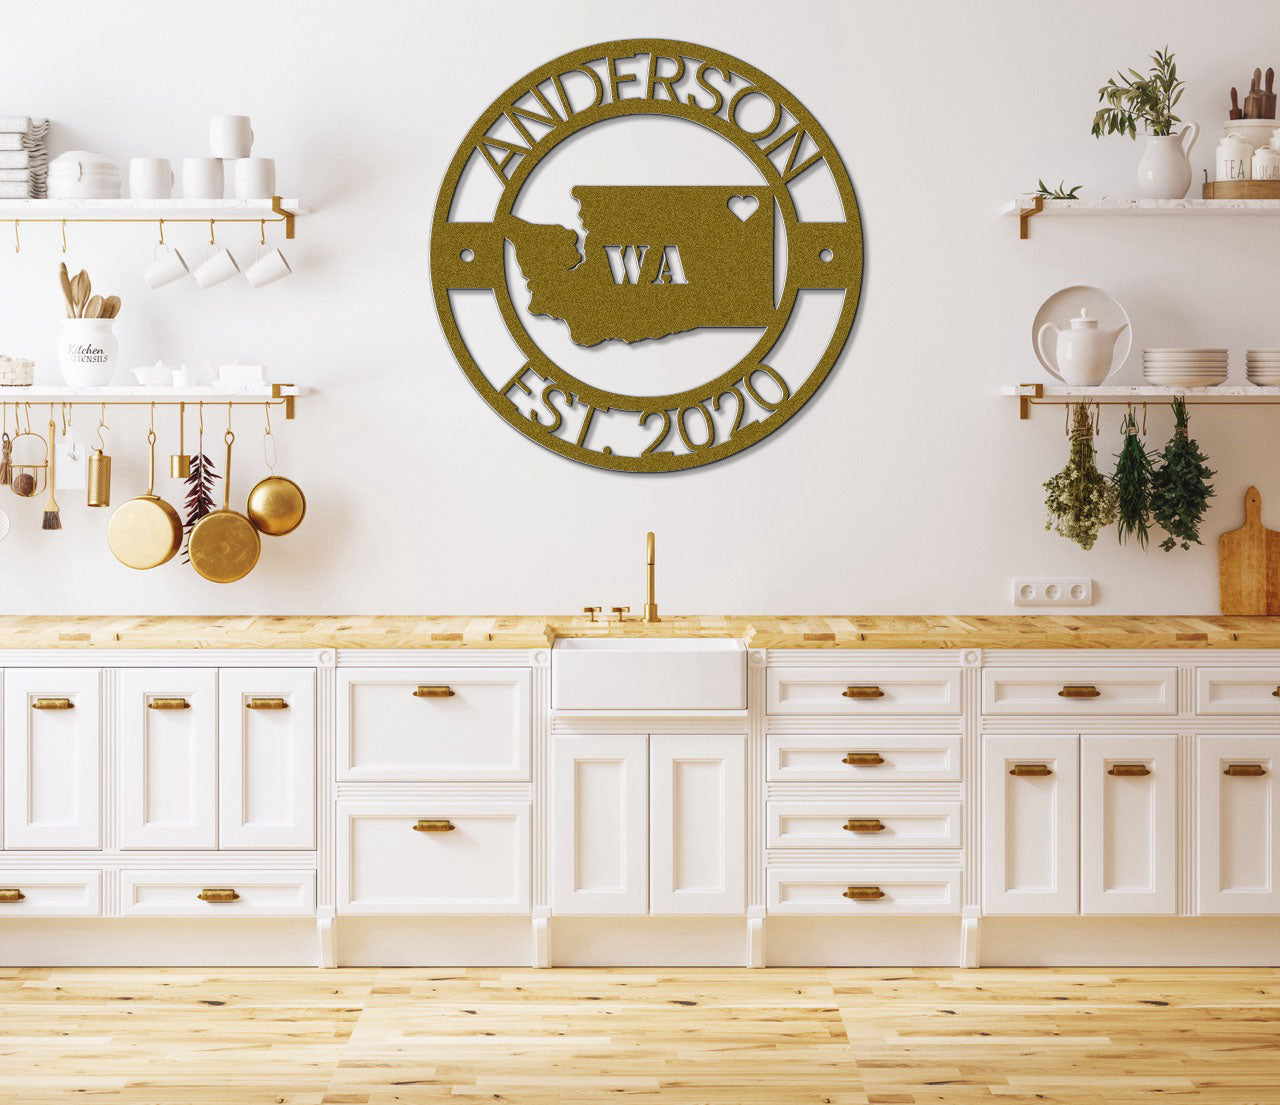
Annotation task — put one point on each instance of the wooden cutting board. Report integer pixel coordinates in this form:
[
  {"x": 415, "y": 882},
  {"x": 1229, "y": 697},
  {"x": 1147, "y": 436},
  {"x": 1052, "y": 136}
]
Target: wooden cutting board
[{"x": 1249, "y": 564}]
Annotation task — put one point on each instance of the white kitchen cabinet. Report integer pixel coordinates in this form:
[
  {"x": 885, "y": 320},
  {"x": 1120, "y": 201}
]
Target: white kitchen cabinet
[
  {"x": 1128, "y": 824},
  {"x": 863, "y": 691},
  {"x": 1031, "y": 825},
  {"x": 863, "y": 889},
  {"x": 52, "y": 758},
  {"x": 600, "y": 824},
  {"x": 267, "y": 752},
  {"x": 217, "y": 893},
  {"x": 168, "y": 757},
  {"x": 697, "y": 845},
  {"x": 1238, "y": 824},
  {"x": 863, "y": 758},
  {"x": 50, "y": 893},
  {"x": 1079, "y": 691}
]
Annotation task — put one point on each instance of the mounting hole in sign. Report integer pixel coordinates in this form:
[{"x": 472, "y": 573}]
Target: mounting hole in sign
[
  {"x": 825, "y": 255},
  {"x": 468, "y": 254}
]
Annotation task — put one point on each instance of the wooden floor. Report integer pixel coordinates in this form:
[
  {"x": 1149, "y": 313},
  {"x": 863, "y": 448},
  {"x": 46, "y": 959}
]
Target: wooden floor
[{"x": 714, "y": 1037}]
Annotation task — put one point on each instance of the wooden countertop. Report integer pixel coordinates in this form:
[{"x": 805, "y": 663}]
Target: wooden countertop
[{"x": 532, "y": 631}]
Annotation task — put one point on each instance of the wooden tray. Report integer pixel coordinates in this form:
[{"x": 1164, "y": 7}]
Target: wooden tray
[{"x": 1242, "y": 190}]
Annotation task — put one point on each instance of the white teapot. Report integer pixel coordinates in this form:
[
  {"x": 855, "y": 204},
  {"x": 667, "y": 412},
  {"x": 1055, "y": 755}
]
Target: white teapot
[{"x": 1082, "y": 355}]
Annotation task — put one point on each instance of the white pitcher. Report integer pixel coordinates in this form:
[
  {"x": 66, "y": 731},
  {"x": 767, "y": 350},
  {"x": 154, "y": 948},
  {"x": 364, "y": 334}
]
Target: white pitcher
[{"x": 1164, "y": 173}]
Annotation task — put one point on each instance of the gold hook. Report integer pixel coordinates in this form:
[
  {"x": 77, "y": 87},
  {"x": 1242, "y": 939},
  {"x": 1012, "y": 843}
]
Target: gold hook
[
  {"x": 211, "y": 239},
  {"x": 262, "y": 232},
  {"x": 153, "y": 417},
  {"x": 102, "y": 425},
  {"x": 201, "y": 416},
  {"x": 67, "y": 421},
  {"x": 1066, "y": 419},
  {"x": 64, "y": 235},
  {"x": 1144, "y": 420},
  {"x": 266, "y": 410},
  {"x": 27, "y": 412},
  {"x": 17, "y": 240},
  {"x": 1097, "y": 419},
  {"x": 228, "y": 416},
  {"x": 160, "y": 224}
]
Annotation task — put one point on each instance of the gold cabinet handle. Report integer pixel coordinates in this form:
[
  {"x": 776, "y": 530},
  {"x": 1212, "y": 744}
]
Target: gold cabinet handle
[
  {"x": 1246, "y": 770},
  {"x": 433, "y": 692},
  {"x": 434, "y": 825},
  {"x": 168, "y": 704},
  {"x": 862, "y": 759},
  {"x": 266, "y": 704},
  {"x": 1033, "y": 771},
  {"x": 218, "y": 894},
  {"x": 864, "y": 825},
  {"x": 53, "y": 704},
  {"x": 868, "y": 691},
  {"x": 11, "y": 894},
  {"x": 864, "y": 893},
  {"x": 1276, "y": 693},
  {"x": 1079, "y": 690},
  {"x": 1128, "y": 770}
]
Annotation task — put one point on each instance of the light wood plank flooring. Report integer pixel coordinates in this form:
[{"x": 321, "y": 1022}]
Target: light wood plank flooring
[{"x": 687, "y": 1037}]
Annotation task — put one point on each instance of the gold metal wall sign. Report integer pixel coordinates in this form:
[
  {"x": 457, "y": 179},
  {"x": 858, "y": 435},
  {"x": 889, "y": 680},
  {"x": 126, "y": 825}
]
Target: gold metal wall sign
[{"x": 656, "y": 262}]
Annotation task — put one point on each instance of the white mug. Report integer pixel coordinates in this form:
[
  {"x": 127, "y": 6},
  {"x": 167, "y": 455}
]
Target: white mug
[
  {"x": 150, "y": 178},
  {"x": 230, "y": 136},
  {"x": 166, "y": 269},
  {"x": 255, "y": 178},
  {"x": 201, "y": 178},
  {"x": 216, "y": 268},
  {"x": 267, "y": 269}
]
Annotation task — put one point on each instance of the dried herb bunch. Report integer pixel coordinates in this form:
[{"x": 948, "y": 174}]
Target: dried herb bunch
[
  {"x": 1132, "y": 481},
  {"x": 1080, "y": 500},
  {"x": 199, "y": 501},
  {"x": 1180, "y": 490}
]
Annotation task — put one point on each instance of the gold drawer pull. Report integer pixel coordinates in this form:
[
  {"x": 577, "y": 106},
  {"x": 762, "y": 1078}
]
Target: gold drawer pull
[
  {"x": 870, "y": 691},
  {"x": 864, "y": 825},
  {"x": 864, "y": 893},
  {"x": 434, "y": 825},
  {"x": 1126, "y": 770},
  {"x": 433, "y": 692},
  {"x": 1033, "y": 771},
  {"x": 168, "y": 704},
  {"x": 266, "y": 704},
  {"x": 863, "y": 759},
  {"x": 218, "y": 894},
  {"x": 11, "y": 894},
  {"x": 1276, "y": 693},
  {"x": 1079, "y": 690},
  {"x": 53, "y": 704},
  {"x": 1250, "y": 770}
]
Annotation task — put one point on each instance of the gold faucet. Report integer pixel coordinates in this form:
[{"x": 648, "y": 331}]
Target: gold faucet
[{"x": 650, "y": 605}]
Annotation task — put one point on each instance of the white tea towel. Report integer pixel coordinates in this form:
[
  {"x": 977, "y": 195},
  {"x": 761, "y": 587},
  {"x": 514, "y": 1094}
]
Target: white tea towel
[
  {"x": 15, "y": 124},
  {"x": 14, "y": 159},
  {"x": 11, "y": 141},
  {"x": 11, "y": 190},
  {"x": 11, "y": 175}
]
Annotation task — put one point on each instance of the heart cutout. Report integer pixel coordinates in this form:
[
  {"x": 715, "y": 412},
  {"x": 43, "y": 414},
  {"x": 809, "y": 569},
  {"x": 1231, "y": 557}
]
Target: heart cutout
[{"x": 743, "y": 207}]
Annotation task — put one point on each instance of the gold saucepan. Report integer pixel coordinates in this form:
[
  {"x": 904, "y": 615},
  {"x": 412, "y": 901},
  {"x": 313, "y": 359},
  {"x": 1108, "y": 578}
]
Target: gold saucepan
[
  {"x": 145, "y": 532},
  {"x": 276, "y": 505},
  {"x": 223, "y": 545}
]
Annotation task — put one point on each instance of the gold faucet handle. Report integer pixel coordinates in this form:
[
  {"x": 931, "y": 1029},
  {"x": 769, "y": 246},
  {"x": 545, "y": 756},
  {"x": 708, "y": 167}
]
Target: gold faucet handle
[
  {"x": 592, "y": 610},
  {"x": 620, "y": 610}
]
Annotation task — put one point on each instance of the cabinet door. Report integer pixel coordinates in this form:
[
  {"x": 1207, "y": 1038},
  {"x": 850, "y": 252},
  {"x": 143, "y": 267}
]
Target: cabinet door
[
  {"x": 267, "y": 725},
  {"x": 52, "y": 758},
  {"x": 1238, "y": 828},
  {"x": 1031, "y": 824},
  {"x": 697, "y": 824},
  {"x": 1128, "y": 824},
  {"x": 600, "y": 825},
  {"x": 168, "y": 758}
]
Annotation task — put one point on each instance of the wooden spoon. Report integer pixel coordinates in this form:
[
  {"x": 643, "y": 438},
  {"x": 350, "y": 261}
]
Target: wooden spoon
[
  {"x": 65, "y": 281},
  {"x": 93, "y": 309},
  {"x": 110, "y": 307},
  {"x": 80, "y": 292}
]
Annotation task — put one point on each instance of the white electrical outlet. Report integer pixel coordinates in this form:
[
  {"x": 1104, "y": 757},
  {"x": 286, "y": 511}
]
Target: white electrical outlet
[{"x": 1053, "y": 591}]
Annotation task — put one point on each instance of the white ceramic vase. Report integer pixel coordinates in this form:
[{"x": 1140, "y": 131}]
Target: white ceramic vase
[
  {"x": 1164, "y": 173},
  {"x": 87, "y": 351}
]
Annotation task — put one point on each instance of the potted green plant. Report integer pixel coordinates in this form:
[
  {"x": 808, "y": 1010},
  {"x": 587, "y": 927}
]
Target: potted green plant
[{"x": 1165, "y": 169}]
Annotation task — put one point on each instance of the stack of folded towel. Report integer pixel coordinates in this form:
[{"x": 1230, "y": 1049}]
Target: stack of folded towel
[{"x": 24, "y": 157}]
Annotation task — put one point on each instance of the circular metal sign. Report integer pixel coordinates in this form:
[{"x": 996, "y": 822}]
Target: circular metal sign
[{"x": 679, "y": 322}]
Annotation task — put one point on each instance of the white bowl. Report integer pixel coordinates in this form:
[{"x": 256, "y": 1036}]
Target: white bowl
[{"x": 154, "y": 375}]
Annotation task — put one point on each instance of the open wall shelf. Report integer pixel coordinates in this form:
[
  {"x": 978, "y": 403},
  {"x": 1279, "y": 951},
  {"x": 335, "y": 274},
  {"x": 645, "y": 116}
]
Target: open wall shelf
[
  {"x": 1028, "y": 207},
  {"x": 1060, "y": 395}
]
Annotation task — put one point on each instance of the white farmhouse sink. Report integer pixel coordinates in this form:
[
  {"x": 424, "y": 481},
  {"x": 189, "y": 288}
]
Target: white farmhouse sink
[{"x": 648, "y": 673}]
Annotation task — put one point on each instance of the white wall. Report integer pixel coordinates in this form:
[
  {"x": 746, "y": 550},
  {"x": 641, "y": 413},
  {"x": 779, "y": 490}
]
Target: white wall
[{"x": 906, "y": 485}]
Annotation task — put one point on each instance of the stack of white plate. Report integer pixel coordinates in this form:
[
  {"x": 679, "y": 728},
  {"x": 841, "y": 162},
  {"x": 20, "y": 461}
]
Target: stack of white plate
[
  {"x": 1262, "y": 367},
  {"x": 79, "y": 174},
  {"x": 1185, "y": 368}
]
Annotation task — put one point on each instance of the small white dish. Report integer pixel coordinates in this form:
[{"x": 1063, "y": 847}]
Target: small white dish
[{"x": 154, "y": 376}]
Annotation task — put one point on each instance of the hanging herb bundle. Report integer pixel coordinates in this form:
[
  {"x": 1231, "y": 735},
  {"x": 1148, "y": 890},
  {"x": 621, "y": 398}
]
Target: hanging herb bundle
[
  {"x": 1181, "y": 490},
  {"x": 199, "y": 501},
  {"x": 1080, "y": 501},
  {"x": 1132, "y": 481}
]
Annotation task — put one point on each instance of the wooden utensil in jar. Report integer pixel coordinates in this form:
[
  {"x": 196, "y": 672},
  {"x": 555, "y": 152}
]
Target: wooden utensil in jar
[
  {"x": 146, "y": 531},
  {"x": 1253, "y": 100},
  {"x": 1269, "y": 96},
  {"x": 1235, "y": 112},
  {"x": 224, "y": 546}
]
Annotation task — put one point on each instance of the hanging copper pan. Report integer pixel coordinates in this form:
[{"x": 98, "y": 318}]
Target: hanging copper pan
[
  {"x": 224, "y": 546},
  {"x": 145, "y": 532}
]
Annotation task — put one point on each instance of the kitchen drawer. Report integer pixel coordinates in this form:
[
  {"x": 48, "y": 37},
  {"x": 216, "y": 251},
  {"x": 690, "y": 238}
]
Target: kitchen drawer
[
  {"x": 479, "y": 865},
  {"x": 434, "y": 724},
  {"x": 800, "y": 890},
  {"x": 232, "y": 893},
  {"x": 1079, "y": 692},
  {"x": 50, "y": 893},
  {"x": 1238, "y": 691},
  {"x": 863, "y": 758},
  {"x": 861, "y": 823},
  {"x": 863, "y": 692}
]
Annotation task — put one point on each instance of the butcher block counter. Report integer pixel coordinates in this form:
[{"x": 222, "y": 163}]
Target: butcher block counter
[{"x": 537, "y": 631}]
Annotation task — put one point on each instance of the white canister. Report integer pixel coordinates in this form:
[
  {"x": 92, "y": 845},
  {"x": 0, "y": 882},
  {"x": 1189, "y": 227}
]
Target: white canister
[
  {"x": 1266, "y": 164},
  {"x": 87, "y": 351},
  {"x": 1234, "y": 158}
]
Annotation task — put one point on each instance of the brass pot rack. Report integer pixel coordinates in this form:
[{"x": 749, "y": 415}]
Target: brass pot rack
[{"x": 272, "y": 395}]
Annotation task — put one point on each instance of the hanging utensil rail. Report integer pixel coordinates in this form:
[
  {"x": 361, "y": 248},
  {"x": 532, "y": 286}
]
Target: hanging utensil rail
[{"x": 275, "y": 395}]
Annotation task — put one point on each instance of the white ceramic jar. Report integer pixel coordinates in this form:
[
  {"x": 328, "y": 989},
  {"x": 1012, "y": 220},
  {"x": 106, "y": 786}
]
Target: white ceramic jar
[
  {"x": 1234, "y": 158},
  {"x": 87, "y": 352},
  {"x": 1266, "y": 164}
]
